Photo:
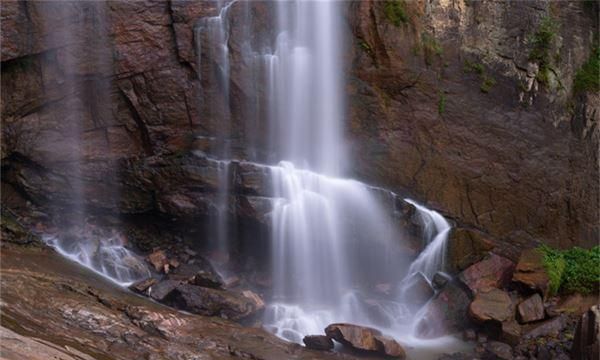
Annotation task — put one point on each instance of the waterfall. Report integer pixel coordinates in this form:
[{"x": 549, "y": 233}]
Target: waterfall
[
  {"x": 79, "y": 65},
  {"x": 432, "y": 257}
]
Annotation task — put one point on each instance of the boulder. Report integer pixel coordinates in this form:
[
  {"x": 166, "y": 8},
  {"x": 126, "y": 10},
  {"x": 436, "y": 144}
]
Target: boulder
[
  {"x": 491, "y": 305},
  {"x": 142, "y": 285},
  {"x": 492, "y": 272},
  {"x": 495, "y": 350},
  {"x": 214, "y": 302},
  {"x": 207, "y": 279},
  {"x": 531, "y": 309},
  {"x": 158, "y": 259},
  {"x": 318, "y": 342},
  {"x": 530, "y": 272},
  {"x": 586, "y": 344},
  {"x": 162, "y": 289},
  {"x": 547, "y": 328},
  {"x": 446, "y": 313},
  {"x": 466, "y": 247},
  {"x": 365, "y": 339},
  {"x": 511, "y": 332},
  {"x": 439, "y": 280},
  {"x": 469, "y": 335},
  {"x": 417, "y": 290}
]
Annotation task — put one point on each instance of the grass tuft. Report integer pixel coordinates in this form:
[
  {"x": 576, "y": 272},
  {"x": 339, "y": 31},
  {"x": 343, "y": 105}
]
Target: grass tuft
[
  {"x": 587, "y": 77},
  {"x": 575, "y": 270},
  {"x": 395, "y": 12}
]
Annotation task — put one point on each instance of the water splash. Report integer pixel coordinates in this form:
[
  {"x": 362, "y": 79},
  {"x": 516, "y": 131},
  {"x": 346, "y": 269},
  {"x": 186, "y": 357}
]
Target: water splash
[{"x": 105, "y": 255}]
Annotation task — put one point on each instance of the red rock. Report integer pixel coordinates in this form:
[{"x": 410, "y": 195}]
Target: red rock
[
  {"x": 491, "y": 305},
  {"x": 417, "y": 290},
  {"x": 446, "y": 313},
  {"x": 492, "y": 272},
  {"x": 158, "y": 259},
  {"x": 365, "y": 339},
  {"x": 511, "y": 332},
  {"x": 531, "y": 309},
  {"x": 549, "y": 327},
  {"x": 142, "y": 285},
  {"x": 530, "y": 272}
]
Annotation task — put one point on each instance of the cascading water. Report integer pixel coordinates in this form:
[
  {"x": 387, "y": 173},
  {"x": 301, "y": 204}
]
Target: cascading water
[
  {"x": 83, "y": 54},
  {"x": 333, "y": 239}
]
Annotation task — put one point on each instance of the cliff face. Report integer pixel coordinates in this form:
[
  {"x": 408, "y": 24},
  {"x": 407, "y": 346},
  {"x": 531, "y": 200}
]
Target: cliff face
[{"x": 465, "y": 105}]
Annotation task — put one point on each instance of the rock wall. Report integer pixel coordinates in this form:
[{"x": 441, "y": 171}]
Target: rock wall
[{"x": 446, "y": 104}]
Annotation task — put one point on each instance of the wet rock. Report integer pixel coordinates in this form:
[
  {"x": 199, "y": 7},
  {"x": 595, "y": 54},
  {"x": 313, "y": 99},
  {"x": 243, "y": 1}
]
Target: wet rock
[
  {"x": 466, "y": 247},
  {"x": 549, "y": 327},
  {"x": 511, "y": 332},
  {"x": 530, "y": 272},
  {"x": 446, "y": 313},
  {"x": 440, "y": 280},
  {"x": 495, "y": 350},
  {"x": 417, "y": 289},
  {"x": 492, "y": 272},
  {"x": 207, "y": 279},
  {"x": 158, "y": 259},
  {"x": 389, "y": 347},
  {"x": 214, "y": 302},
  {"x": 531, "y": 309},
  {"x": 365, "y": 339},
  {"x": 491, "y": 305},
  {"x": 318, "y": 342},
  {"x": 586, "y": 343},
  {"x": 143, "y": 285},
  {"x": 469, "y": 335},
  {"x": 162, "y": 289}
]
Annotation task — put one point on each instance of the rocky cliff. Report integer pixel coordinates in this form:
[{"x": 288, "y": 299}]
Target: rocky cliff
[{"x": 470, "y": 106}]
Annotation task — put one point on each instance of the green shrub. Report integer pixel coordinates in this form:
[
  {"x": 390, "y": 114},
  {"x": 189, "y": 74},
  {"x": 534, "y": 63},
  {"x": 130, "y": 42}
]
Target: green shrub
[
  {"x": 431, "y": 48},
  {"x": 442, "y": 103},
  {"x": 575, "y": 270},
  {"x": 487, "y": 83},
  {"x": 588, "y": 76},
  {"x": 395, "y": 12},
  {"x": 542, "y": 42},
  {"x": 470, "y": 67}
]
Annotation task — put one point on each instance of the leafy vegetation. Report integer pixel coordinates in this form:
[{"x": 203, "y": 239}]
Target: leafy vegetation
[
  {"x": 365, "y": 46},
  {"x": 575, "y": 270},
  {"x": 487, "y": 81},
  {"x": 431, "y": 48},
  {"x": 395, "y": 12},
  {"x": 588, "y": 76},
  {"x": 542, "y": 42},
  {"x": 442, "y": 103}
]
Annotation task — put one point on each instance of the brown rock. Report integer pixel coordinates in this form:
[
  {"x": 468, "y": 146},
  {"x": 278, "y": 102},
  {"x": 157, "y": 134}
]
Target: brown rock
[
  {"x": 439, "y": 280},
  {"x": 142, "y": 285},
  {"x": 531, "y": 309},
  {"x": 389, "y": 347},
  {"x": 446, "y": 313},
  {"x": 214, "y": 302},
  {"x": 318, "y": 342},
  {"x": 207, "y": 279},
  {"x": 491, "y": 305},
  {"x": 586, "y": 344},
  {"x": 511, "y": 332},
  {"x": 158, "y": 259},
  {"x": 466, "y": 247},
  {"x": 365, "y": 339},
  {"x": 492, "y": 272},
  {"x": 530, "y": 272}
]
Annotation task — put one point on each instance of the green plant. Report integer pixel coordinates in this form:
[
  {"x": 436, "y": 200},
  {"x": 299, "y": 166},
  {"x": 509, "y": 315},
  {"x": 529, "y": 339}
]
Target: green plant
[
  {"x": 365, "y": 46},
  {"x": 542, "y": 42},
  {"x": 587, "y": 77},
  {"x": 442, "y": 103},
  {"x": 395, "y": 12},
  {"x": 473, "y": 67},
  {"x": 431, "y": 48},
  {"x": 574, "y": 270},
  {"x": 487, "y": 83}
]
